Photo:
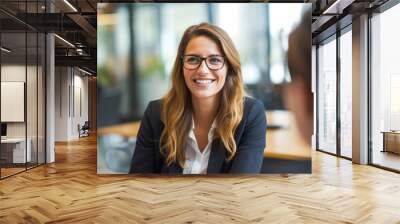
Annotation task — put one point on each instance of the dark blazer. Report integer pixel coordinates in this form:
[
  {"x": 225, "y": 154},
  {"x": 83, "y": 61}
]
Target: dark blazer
[{"x": 249, "y": 138}]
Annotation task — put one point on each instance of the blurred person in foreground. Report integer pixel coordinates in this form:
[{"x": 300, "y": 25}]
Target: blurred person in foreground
[{"x": 297, "y": 95}]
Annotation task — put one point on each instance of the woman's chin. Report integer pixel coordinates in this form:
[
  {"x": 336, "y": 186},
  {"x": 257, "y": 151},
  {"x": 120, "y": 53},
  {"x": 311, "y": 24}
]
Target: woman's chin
[{"x": 203, "y": 94}]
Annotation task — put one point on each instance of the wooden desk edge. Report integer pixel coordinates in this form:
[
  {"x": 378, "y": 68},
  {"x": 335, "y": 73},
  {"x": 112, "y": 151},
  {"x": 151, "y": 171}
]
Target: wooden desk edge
[{"x": 134, "y": 126}]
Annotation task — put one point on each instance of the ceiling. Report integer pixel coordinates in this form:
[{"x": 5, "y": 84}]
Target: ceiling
[
  {"x": 76, "y": 24},
  {"x": 76, "y": 21}
]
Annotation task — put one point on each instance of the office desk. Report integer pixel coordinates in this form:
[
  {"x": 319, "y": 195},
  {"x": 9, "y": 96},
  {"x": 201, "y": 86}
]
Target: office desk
[
  {"x": 13, "y": 150},
  {"x": 391, "y": 141},
  {"x": 285, "y": 143}
]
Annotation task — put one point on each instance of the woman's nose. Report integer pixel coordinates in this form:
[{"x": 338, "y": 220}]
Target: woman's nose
[{"x": 203, "y": 67}]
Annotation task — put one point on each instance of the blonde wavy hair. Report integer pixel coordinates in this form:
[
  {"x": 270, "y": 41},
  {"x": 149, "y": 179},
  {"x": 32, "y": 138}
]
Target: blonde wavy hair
[{"x": 176, "y": 113}]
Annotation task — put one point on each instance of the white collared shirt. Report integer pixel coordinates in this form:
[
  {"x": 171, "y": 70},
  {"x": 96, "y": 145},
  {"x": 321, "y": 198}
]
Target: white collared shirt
[{"x": 196, "y": 162}]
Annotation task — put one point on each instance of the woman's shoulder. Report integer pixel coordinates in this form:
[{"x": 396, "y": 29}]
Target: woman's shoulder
[
  {"x": 155, "y": 104},
  {"x": 154, "y": 108},
  {"x": 252, "y": 105},
  {"x": 152, "y": 116}
]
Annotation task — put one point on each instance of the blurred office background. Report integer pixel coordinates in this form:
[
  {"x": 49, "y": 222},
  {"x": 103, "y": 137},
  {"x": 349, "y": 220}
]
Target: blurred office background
[{"x": 137, "y": 45}]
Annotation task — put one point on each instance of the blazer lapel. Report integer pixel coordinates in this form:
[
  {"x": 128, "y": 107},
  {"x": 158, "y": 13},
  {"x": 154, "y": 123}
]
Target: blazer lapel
[
  {"x": 175, "y": 169},
  {"x": 217, "y": 157},
  {"x": 216, "y": 160}
]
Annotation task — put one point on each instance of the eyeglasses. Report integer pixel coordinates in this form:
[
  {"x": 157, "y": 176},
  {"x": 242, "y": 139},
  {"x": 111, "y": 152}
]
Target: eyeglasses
[{"x": 213, "y": 62}]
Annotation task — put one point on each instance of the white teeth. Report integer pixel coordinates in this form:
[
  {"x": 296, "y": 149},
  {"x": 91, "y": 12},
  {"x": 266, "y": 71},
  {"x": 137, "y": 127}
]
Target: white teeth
[{"x": 203, "y": 81}]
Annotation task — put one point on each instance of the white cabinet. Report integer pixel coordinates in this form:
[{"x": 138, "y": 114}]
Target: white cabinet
[{"x": 18, "y": 149}]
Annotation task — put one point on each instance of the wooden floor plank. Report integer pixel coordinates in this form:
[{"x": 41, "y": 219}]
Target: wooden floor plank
[{"x": 70, "y": 191}]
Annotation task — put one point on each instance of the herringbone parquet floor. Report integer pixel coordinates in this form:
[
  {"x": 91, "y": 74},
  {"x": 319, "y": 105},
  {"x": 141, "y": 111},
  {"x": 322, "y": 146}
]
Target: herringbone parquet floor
[{"x": 70, "y": 191}]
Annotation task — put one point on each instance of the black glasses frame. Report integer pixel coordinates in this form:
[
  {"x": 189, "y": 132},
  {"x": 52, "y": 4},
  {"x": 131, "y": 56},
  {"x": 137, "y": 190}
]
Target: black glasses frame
[{"x": 201, "y": 62}]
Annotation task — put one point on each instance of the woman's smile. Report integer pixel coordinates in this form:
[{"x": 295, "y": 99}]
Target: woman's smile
[{"x": 203, "y": 82}]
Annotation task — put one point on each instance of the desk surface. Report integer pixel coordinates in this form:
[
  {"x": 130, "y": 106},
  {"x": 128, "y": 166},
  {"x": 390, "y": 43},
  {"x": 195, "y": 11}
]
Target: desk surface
[
  {"x": 13, "y": 140},
  {"x": 283, "y": 143},
  {"x": 390, "y": 132}
]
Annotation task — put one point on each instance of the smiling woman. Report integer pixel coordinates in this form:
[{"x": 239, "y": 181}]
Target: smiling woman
[{"x": 204, "y": 124}]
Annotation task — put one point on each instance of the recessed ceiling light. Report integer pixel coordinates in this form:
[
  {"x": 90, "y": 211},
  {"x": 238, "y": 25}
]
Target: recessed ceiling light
[
  {"x": 86, "y": 72},
  {"x": 337, "y": 7},
  {"x": 5, "y": 49},
  {"x": 64, "y": 40},
  {"x": 70, "y": 5}
]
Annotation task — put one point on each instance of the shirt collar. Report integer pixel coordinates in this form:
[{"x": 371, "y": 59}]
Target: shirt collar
[{"x": 210, "y": 132}]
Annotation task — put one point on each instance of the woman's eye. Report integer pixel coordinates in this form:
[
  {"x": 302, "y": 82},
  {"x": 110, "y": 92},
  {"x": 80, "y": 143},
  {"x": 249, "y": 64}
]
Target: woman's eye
[
  {"x": 193, "y": 60},
  {"x": 215, "y": 60}
]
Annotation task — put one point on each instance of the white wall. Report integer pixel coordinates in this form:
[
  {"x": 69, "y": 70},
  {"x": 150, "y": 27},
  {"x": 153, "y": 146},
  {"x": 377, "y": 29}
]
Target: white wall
[
  {"x": 61, "y": 103},
  {"x": 71, "y": 94},
  {"x": 32, "y": 127},
  {"x": 10, "y": 73},
  {"x": 12, "y": 101},
  {"x": 13, "y": 73},
  {"x": 16, "y": 73}
]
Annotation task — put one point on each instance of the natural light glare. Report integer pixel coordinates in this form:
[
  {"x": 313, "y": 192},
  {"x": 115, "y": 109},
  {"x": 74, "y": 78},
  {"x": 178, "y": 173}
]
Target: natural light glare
[
  {"x": 123, "y": 39},
  {"x": 228, "y": 16},
  {"x": 284, "y": 21},
  {"x": 251, "y": 73},
  {"x": 327, "y": 98},
  {"x": 346, "y": 93},
  {"x": 281, "y": 24},
  {"x": 385, "y": 89},
  {"x": 277, "y": 73}
]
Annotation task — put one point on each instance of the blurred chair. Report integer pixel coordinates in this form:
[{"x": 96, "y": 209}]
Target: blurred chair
[{"x": 84, "y": 130}]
